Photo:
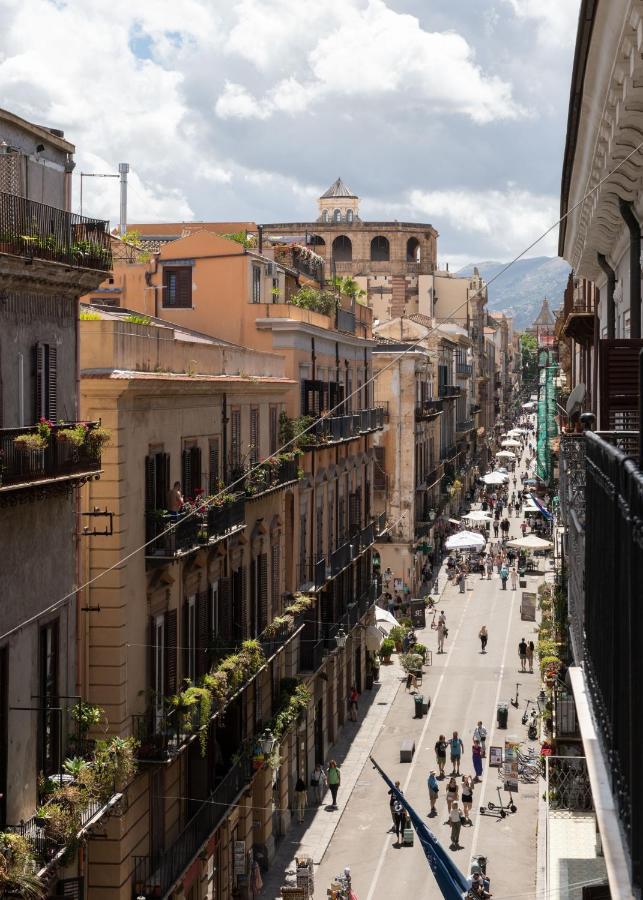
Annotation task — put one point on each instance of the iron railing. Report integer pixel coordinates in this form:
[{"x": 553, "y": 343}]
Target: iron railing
[
  {"x": 270, "y": 476},
  {"x": 366, "y": 537},
  {"x": 21, "y": 466},
  {"x": 37, "y": 231},
  {"x": 312, "y": 575},
  {"x": 340, "y": 558},
  {"x": 568, "y": 784},
  {"x": 191, "y": 530},
  {"x": 614, "y": 623},
  {"x": 345, "y": 320},
  {"x": 155, "y": 877},
  {"x": 463, "y": 368},
  {"x": 449, "y": 452},
  {"x": 448, "y": 391},
  {"x": 428, "y": 409},
  {"x": 572, "y": 514},
  {"x": 311, "y": 653},
  {"x": 464, "y": 425}
]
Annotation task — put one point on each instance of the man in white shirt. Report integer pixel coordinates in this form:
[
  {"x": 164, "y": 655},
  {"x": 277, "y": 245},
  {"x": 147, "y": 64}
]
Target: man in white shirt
[{"x": 480, "y": 734}]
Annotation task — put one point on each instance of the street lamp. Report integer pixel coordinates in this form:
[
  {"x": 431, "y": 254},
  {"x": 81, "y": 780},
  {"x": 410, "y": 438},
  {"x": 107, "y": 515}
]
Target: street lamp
[
  {"x": 267, "y": 742},
  {"x": 340, "y": 638}
]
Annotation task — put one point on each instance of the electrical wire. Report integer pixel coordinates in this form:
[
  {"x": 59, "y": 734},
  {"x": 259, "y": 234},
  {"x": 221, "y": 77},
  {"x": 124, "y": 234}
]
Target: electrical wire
[{"x": 429, "y": 330}]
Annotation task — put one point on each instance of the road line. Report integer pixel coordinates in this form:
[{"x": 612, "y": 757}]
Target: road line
[{"x": 418, "y": 747}]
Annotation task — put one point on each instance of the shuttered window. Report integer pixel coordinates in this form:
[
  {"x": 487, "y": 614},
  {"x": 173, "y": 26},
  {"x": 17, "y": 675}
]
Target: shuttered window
[
  {"x": 46, "y": 382},
  {"x": 171, "y": 651},
  {"x": 275, "y": 579},
  {"x": 239, "y": 604},
  {"x": 330, "y": 521},
  {"x": 214, "y": 466},
  {"x": 254, "y": 435},
  {"x": 379, "y": 480},
  {"x": 262, "y": 586},
  {"x": 157, "y": 664},
  {"x": 191, "y": 471},
  {"x": 235, "y": 438},
  {"x": 354, "y": 510},
  {"x": 189, "y": 638},
  {"x": 49, "y": 756},
  {"x": 157, "y": 481},
  {"x": 274, "y": 427},
  {"x": 319, "y": 532},
  {"x": 177, "y": 287},
  {"x": 256, "y": 284},
  {"x": 225, "y": 609}
]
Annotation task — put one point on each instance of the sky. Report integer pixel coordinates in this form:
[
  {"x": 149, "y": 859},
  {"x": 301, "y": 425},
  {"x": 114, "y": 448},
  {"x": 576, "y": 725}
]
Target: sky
[{"x": 451, "y": 112}]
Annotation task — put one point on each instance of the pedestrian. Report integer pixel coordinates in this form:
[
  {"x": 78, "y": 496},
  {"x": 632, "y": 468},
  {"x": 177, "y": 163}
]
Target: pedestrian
[
  {"x": 530, "y": 656},
  {"x": 434, "y": 788},
  {"x": 318, "y": 783},
  {"x": 514, "y": 579},
  {"x": 398, "y": 819},
  {"x": 467, "y": 797},
  {"x": 476, "y": 755},
  {"x": 480, "y": 734},
  {"x": 175, "y": 500},
  {"x": 452, "y": 793},
  {"x": 504, "y": 575},
  {"x": 489, "y": 567},
  {"x": 300, "y": 797},
  {"x": 441, "y": 754},
  {"x": 462, "y": 582},
  {"x": 484, "y": 637},
  {"x": 523, "y": 528},
  {"x": 352, "y": 704},
  {"x": 495, "y": 528},
  {"x": 333, "y": 778},
  {"x": 522, "y": 653},
  {"x": 392, "y": 803},
  {"x": 456, "y": 825},
  {"x": 456, "y": 748}
]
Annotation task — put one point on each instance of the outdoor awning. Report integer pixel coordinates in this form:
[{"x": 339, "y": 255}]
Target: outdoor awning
[
  {"x": 530, "y": 542},
  {"x": 477, "y": 515},
  {"x": 374, "y": 638},
  {"x": 465, "y": 540}
]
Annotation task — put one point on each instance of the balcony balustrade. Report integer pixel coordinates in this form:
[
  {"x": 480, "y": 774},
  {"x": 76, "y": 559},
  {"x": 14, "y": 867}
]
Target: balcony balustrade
[
  {"x": 449, "y": 452},
  {"x": 464, "y": 426},
  {"x": 59, "y": 460},
  {"x": 36, "y": 231},
  {"x": 379, "y": 526},
  {"x": 449, "y": 391},
  {"x": 345, "y": 321},
  {"x": 311, "y": 653},
  {"x": 266, "y": 477},
  {"x": 172, "y": 535},
  {"x": 428, "y": 409},
  {"x": 312, "y": 575},
  {"x": 464, "y": 369},
  {"x": 340, "y": 559}
]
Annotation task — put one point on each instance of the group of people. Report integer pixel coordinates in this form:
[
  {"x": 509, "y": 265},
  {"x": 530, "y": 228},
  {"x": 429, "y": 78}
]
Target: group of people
[{"x": 319, "y": 780}]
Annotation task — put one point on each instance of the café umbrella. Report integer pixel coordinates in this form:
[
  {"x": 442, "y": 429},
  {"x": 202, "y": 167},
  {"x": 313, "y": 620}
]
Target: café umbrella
[
  {"x": 495, "y": 478},
  {"x": 511, "y": 443},
  {"x": 530, "y": 542},
  {"x": 505, "y": 454},
  {"x": 477, "y": 515},
  {"x": 465, "y": 540}
]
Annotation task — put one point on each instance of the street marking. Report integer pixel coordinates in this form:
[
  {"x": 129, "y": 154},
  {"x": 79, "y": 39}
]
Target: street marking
[{"x": 416, "y": 755}]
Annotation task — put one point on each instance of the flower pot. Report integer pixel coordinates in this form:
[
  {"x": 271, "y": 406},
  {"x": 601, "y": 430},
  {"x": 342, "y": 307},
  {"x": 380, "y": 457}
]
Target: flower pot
[
  {"x": 386, "y": 660},
  {"x": 398, "y": 646}
]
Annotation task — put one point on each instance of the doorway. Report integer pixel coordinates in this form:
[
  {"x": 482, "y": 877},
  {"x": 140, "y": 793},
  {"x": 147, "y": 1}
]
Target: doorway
[{"x": 319, "y": 732}]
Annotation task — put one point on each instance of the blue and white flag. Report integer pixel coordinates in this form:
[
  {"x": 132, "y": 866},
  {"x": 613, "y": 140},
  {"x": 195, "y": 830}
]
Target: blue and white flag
[
  {"x": 452, "y": 883},
  {"x": 541, "y": 506}
]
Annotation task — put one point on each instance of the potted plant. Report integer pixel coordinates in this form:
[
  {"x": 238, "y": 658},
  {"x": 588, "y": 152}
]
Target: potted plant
[
  {"x": 74, "y": 435},
  {"x": 386, "y": 650},
  {"x": 29, "y": 443},
  {"x": 396, "y": 634},
  {"x": 420, "y": 649},
  {"x": 96, "y": 439}
]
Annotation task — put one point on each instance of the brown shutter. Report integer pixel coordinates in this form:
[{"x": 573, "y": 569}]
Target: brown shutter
[
  {"x": 150, "y": 483},
  {"x": 213, "y": 474},
  {"x": 186, "y": 474},
  {"x": 379, "y": 479},
  {"x": 275, "y": 552},
  {"x": 244, "y": 602},
  {"x": 185, "y": 641},
  {"x": 254, "y": 598},
  {"x": 52, "y": 383},
  {"x": 171, "y": 642},
  {"x": 184, "y": 286},
  {"x": 225, "y": 609},
  {"x": 202, "y": 632},
  {"x": 195, "y": 454},
  {"x": 40, "y": 386},
  {"x": 151, "y": 655},
  {"x": 262, "y": 562}
]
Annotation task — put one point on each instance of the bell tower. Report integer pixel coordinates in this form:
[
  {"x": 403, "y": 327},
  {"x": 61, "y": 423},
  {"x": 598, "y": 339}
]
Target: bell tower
[{"x": 338, "y": 205}]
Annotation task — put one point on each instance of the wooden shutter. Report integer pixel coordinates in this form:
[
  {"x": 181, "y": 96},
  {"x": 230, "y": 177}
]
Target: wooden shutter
[
  {"x": 244, "y": 601},
  {"x": 213, "y": 466},
  {"x": 187, "y": 473},
  {"x": 52, "y": 383},
  {"x": 185, "y": 640},
  {"x": 40, "y": 381},
  {"x": 254, "y": 598},
  {"x": 150, "y": 483},
  {"x": 151, "y": 655},
  {"x": 254, "y": 435},
  {"x": 262, "y": 562},
  {"x": 235, "y": 438},
  {"x": 354, "y": 511},
  {"x": 202, "y": 632},
  {"x": 619, "y": 384},
  {"x": 225, "y": 608},
  {"x": 195, "y": 453},
  {"x": 184, "y": 286},
  {"x": 275, "y": 573},
  {"x": 274, "y": 424},
  {"x": 171, "y": 643},
  {"x": 163, "y": 479},
  {"x": 379, "y": 479}
]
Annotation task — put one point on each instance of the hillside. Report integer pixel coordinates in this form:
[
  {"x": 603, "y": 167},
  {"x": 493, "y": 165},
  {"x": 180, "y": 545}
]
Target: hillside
[{"x": 521, "y": 289}]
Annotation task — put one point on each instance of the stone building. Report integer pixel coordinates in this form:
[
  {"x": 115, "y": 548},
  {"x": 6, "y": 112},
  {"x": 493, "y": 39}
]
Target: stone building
[{"x": 48, "y": 258}]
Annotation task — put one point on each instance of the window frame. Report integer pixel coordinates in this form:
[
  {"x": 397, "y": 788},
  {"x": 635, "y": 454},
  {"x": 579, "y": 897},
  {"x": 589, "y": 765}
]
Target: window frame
[
  {"x": 181, "y": 291},
  {"x": 256, "y": 284}
]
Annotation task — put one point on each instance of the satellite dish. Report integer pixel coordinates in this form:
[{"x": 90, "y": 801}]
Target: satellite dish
[{"x": 575, "y": 400}]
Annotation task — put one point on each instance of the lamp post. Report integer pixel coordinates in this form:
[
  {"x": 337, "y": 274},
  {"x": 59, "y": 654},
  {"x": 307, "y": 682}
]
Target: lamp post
[
  {"x": 340, "y": 638},
  {"x": 267, "y": 742},
  {"x": 541, "y": 700}
]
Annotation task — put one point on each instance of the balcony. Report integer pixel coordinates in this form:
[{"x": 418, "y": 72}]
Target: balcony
[
  {"x": 335, "y": 429},
  {"x": 311, "y": 654},
  {"x": 156, "y": 877},
  {"x": 269, "y": 477},
  {"x": 301, "y": 259},
  {"x": 383, "y": 267},
  {"x": 428, "y": 409},
  {"x": 40, "y": 233},
  {"x": 464, "y": 426},
  {"x": 340, "y": 559},
  {"x": 345, "y": 321},
  {"x": 312, "y": 575},
  {"x": 579, "y": 308},
  {"x": 464, "y": 369},
  {"x": 379, "y": 525},
  {"x": 475, "y": 408},
  {"x": 170, "y": 535},
  {"x": 52, "y": 467},
  {"x": 449, "y": 453},
  {"x": 449, "y": 391}
]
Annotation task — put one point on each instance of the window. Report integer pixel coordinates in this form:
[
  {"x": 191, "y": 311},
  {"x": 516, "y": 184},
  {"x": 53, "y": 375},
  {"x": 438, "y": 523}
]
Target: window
[
  {"x": 213, "y": 618},
  {"x": 380, "y": 250},
  {"x": 275, "y": 290},
  {"x": 254, "y": 435},
  {"x": 342, "y": 249},
  {"x": 256, "y": 284},
  {"x": 157, "y": 480},
  {"x": 325, "y": 216},
  {"x": 46, "y": 382},
  {"x": 158, "y": 677},
  {"x": 189, "y": 638},
  {"x": 235, "y": 438},
  {"x": 337, "y": 215},
  {"x": 412, "y": 250},
  {"x": 49, "y": 761},
  {"x": 177, "y": 287},
  {"x": 274, "y": 428},
  {"x": 349, "y": 216},
  {"x": 214, "y": 463},
  {"x": 275, "y": 579},
  {"x": 191, "y": 471}
]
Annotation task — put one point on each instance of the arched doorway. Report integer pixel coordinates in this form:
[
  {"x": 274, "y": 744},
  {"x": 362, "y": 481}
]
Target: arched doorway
[
  {"x": 413, "y": 250},
  {"x": 316, "y": 241},
  {"x": 342, "y": 249},
  {"x": 380, "y": 249}
]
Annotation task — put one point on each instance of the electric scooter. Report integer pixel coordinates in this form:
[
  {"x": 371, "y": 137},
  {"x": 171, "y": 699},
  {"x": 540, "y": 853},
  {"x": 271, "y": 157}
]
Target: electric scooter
[
  {"x": 490, "y": 808},
  {"x": 515, "y": 702}
]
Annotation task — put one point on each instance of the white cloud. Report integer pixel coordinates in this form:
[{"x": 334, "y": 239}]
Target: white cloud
[
  {"x": 236, "y": 102},
  {"x": 556, "y": 19}
]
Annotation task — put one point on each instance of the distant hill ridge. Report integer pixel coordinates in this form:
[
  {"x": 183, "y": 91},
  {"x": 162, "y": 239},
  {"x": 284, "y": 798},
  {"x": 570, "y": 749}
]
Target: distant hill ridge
[{"x": 521, "y": 289}]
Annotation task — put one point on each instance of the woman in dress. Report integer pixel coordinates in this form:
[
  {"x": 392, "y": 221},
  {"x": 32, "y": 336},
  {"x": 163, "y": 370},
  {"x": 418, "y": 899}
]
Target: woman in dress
[
  {"x": 476, "y": 754},
  {"x": 452, "y": 793},
  {"x": 467, "y": 797}
]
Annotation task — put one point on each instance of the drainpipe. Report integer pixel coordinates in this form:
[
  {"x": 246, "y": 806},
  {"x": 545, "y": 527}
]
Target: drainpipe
[
  {"x": 609, "y": 297},
  {"x": 627, "y": 212}
]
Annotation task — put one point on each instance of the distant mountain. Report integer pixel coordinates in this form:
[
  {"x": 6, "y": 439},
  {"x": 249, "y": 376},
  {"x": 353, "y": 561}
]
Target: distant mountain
[{"x": 521, "y": 289}]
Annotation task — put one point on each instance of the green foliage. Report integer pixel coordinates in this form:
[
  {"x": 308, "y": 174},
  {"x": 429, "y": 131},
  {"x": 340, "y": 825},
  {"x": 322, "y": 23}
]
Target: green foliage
[
  {"x": 321, "y": 301},
  {"x": 292, "y": 701},
  {"x": 75, "y": 435},
  {"x": 17, "y": 865},
  {"x": 397, "y": 633},
  {"x": 529, "y": 357},
  {"x": 75, "y": 766},
  {"x": 411, "y": 662},
  {"x": 132, "y": 237},
  {"x": 547, "y": 648},
  {"x": 29, "y": 442},
  {"x": 137, "y": 320},
  {"x": 386, "y": 649},
  {"x": 246, "y": 240},
  {"x": 96, "y": 439},
  {"x": 88, "y": 316}
]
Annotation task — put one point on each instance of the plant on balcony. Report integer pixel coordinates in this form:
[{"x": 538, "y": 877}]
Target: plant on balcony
[
  {"x": 62, "y": 821},
  {"x": 321, "y": 301},
  {"x": 294, "y": 701},
  {"x": 273, "y": 628},
  {"x": 96, "y": 439},
  {"x": 113, "y": 766},
  {"x": 28, "y": 443},
  {"x": 75, "y": 766},
  {"x": 17, "y": 868},
  {"x": 301, "y": 603},
  {"x": 195, "y": 695},
  {"x": 76, "y": 435}
]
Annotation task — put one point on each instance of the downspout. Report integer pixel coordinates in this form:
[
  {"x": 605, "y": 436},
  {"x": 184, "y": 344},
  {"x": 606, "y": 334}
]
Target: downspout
[
  {"x": 224, "y": 432},
  {"x": 594, "y": 398},
  {"x": 627, "y": 212},
  {"x": 609, "y": 297}
]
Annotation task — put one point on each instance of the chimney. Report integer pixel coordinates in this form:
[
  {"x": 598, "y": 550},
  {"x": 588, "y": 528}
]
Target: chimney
[{"x": 123, "y": 169}]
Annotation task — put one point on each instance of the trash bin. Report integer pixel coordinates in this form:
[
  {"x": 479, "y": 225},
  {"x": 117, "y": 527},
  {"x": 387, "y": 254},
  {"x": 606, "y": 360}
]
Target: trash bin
[
  {"x": 425, "y": 705},
  {"x": 419, "y": 706},
  {"x": 502, "y": 714}
]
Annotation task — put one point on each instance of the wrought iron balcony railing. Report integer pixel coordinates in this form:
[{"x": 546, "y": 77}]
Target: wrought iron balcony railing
[
  {"x": 380, "y": 525},
  {"x": 428, "y": 409},
  {"x": 463, "y": 369},
  {"x": 24, "y": 465},
  {"x": 173, "y": 534},
  {"x": 312, "y": 575},
  {"x": 448, "y": 391},
  {"x": 37, "y": 231},
  {"x": 464, "y": 425},
  {"x": 340, "y": 558}
]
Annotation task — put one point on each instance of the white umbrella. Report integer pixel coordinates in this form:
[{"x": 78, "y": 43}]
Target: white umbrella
[
  {"x": 477, "y": 515},
  {"x": 495, "y": 478},
  {"x": 384, "y": 617},
  {"x": 530, "y": 542},
  {"x": 465, "y": 540},
  {"x": 511, "y": 443},
  {"x": 505, "y": 454},
  {"x": 374, "y": 638},
  {"x": 515, "y": 432}
]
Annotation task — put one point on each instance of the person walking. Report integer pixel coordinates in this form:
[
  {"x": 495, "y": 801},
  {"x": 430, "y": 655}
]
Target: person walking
[
  {"x": 318, "y": 784},
  {"x": 522, "y": 653},
  {"x": 467, "y": 797},
  {"x": 489, "y": 567},
  {"x": 333, "y": 778},
  {"x": 442, "y": 631},
  {"x": 392, "y": 803},
  {"x": 484, "y": 637},
  {"x": 523, "y": 528},
  {"x": 495, "y": 528},
  {"x": 300, "y": 798},
  {"x": 504, "y": 575},
  {"x": 398, "y": 819},
  {"x": 456, "y": 747},
  {"x": 476, "y": 756},
  {"x": 480, "y": 735},
  {"x": 452, "y": 793},
  {"x": 530, "y": 656},
  {"x": 434, "y": 788},
  {"x": 514, "y": 579},
  {"x": 441, "y": 754},
  {"x": 462, "y": 582},
  {"x": 456, "y": 824},
  {"x": 352, "y": 704}
]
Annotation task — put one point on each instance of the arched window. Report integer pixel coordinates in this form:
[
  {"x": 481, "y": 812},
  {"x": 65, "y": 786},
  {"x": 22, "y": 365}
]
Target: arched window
[
  {"x": 316, "y": 241},
  {"x": 342, "y": 249},
  {"x": 325, "y": 216},
  {"x": 349, "y": 216},
  {"x": 413, "y": 250},
  {"x": 337, "y": 215},
  {"x": 380, "y": 251}
]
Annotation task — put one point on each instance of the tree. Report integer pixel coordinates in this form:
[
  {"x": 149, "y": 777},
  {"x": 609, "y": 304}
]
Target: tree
[{"x": 529, "y": 358}]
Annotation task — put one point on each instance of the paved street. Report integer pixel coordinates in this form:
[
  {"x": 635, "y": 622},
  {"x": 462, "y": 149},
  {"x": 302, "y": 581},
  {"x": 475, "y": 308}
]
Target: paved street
[{"x": 464, "y": 685}]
